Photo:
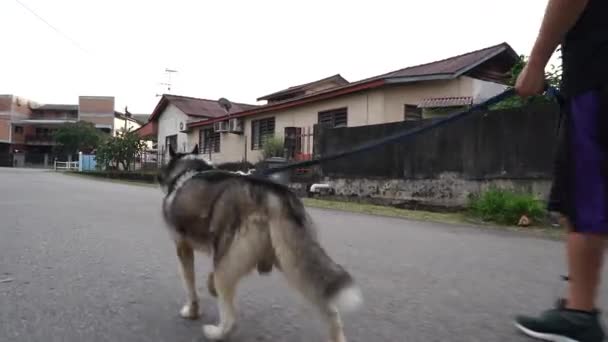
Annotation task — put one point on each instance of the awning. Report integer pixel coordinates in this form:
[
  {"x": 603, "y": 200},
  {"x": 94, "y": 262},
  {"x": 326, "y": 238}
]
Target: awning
[{"x": 439, "y": 102}]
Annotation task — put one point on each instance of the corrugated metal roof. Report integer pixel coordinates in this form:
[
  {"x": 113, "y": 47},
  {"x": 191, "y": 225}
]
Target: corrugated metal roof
[
  {"x": 438, "y": 102},
  {"x": 337, "y": 78},
  {"x": 452, "y": 65}
]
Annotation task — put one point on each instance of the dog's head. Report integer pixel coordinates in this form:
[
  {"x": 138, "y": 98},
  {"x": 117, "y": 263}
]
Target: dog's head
[{"x": 180, "y": 163}]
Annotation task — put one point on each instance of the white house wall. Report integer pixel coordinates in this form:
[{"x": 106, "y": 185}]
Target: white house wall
[
  {"x": 483, "y": 90},
  {"x": 119, "y": 124},
  {"x": 168, "y": 124}
]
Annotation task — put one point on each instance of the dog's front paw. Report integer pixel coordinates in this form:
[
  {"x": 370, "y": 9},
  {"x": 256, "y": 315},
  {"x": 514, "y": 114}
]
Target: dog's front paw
[
  {"x": 189, "y": 311},
  {"x": 213, "y": 332}
]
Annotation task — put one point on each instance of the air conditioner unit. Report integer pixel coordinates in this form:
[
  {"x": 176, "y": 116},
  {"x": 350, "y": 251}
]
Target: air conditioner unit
[
  {"x": 221, "y": 126},
  {"x": 236, "y": 125}
]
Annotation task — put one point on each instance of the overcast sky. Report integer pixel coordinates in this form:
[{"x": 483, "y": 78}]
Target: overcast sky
[{"x": 239, "y": 49}]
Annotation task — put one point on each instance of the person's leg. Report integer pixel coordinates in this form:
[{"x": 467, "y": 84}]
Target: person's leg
[
  {"x": 585, "y": 255},
  {"x": 580, "y": 192},
  {"x": 589, "y": 224}
]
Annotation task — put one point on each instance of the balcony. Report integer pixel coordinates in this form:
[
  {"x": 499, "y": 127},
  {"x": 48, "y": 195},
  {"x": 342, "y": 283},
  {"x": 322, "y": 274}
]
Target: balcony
[
  {"x": 40, "y": 139},
  {"x": 56, "y": 117}
]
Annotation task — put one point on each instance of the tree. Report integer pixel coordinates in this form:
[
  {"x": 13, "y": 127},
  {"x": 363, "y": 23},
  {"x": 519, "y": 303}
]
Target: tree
[
  {"x": 79, "y": 136},
  {"x": 120, "y": 150},
  {"x": 553, "y": 77}
]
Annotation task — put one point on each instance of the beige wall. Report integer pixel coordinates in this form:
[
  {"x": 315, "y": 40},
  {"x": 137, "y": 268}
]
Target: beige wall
[
  {"x": 96, "y": 104},
  {"x": 397, "y": 97},
  {"x": 98, "y": 110},
  {"x": 366, "y": 108},
  {"x": 100, "y": 121},
  {"x": 6, "y": 103},
  {"x": 232, "y": 146},
  {"x": 5, "y": 130}
]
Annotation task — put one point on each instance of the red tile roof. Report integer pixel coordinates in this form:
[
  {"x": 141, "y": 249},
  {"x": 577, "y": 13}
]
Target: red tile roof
[
  {"x": 445, "y": 69},
  {"x": 196, "y": 107},
  {"x": 148, "y": 131}
]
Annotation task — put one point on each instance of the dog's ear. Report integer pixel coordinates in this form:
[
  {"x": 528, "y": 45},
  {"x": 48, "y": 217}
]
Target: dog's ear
[
  {"x": 171, "y": 151},
  {"x": 195, "y": 150}
]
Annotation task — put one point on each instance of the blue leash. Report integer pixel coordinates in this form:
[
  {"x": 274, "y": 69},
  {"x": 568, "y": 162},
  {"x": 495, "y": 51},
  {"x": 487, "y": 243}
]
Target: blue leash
[{"x": 402, "y": 136}]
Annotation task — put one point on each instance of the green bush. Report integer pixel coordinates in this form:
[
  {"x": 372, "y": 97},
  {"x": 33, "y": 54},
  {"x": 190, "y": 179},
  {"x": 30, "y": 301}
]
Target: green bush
[
  {"x": 506, "y": 206},
  {"x": 273, "y": 147}
]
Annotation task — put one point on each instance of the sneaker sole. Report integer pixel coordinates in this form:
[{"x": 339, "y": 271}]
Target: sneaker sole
[{"x": 543, "y": 336}]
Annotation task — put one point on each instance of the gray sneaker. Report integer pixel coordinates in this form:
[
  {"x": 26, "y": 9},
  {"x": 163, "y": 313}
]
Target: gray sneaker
[{"x": 563, "y": 325}]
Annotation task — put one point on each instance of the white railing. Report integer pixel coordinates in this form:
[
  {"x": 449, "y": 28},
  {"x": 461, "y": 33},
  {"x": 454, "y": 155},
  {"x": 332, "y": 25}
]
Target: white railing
[{"x": 66, "y": 165}]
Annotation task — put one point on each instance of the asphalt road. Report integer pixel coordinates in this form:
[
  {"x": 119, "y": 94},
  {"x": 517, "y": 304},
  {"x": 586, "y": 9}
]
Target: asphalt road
[{"x": 88, "y": 260}]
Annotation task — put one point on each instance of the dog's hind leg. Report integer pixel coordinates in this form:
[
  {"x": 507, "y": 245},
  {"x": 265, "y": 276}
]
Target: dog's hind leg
[
  {"x": 225, "y": 285},
  {"x": 185, "y": 254},
  {"x": 332, "y": 316},
  {"x": 239, "y": 259}
]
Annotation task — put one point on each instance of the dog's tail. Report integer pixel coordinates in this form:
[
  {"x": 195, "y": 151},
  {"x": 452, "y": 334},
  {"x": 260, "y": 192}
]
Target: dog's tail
[{"x": 303, "y": 260}]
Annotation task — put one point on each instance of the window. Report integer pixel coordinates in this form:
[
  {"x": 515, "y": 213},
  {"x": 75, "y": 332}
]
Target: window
[
  {"x": 209, "y": 141},
  {"x": 334, "y": 118},
  {"x": 18, "y": 129},
  {"x": 261, "y": 130},
  {"x": 412, "y": 112},
  {"x": 44, "y": 131}
]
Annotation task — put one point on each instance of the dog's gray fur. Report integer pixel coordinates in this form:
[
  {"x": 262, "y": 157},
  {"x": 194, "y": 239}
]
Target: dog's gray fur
[{"x": 244, "y": 222}]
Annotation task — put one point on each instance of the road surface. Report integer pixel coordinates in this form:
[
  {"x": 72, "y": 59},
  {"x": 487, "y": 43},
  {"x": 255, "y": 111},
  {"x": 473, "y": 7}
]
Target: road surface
[{"x": 89, "y": 260}]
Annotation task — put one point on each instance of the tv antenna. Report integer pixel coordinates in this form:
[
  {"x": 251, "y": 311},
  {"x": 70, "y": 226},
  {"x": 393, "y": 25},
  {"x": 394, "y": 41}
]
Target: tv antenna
[{"x": 168, "y": 83}]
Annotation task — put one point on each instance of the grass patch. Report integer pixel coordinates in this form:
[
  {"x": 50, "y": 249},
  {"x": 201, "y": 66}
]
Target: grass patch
[
  {"x": 506, "y": 207},
  {"x": 370, "y": 209},
  {"x": 461, "y": 218}
]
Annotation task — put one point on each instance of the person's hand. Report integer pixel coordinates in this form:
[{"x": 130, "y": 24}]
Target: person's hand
[{"x": 531, "y": 81}]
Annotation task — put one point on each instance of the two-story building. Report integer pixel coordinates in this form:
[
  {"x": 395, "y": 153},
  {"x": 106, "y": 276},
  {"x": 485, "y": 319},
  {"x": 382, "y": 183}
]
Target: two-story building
[{"x": 26, "y": 127}]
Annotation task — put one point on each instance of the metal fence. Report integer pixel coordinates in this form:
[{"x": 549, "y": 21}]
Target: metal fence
[{"x": 6, "y": 160}]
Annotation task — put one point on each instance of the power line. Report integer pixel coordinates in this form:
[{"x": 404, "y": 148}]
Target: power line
[{"x": 74, "y": 42}]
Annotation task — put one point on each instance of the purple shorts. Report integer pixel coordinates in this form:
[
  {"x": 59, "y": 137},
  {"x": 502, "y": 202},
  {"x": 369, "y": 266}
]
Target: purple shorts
[{"x": 580, "y": 185}]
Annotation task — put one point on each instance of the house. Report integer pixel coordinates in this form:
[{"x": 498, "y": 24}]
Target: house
[
  {"x": 411, "y": 93},
  {"x": 26, "y": 127},
  {"x": 168, "y": 122}
]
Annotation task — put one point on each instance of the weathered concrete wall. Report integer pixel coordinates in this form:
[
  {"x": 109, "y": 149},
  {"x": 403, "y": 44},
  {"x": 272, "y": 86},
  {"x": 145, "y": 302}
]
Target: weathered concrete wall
[{"x": 448, "y": 190}]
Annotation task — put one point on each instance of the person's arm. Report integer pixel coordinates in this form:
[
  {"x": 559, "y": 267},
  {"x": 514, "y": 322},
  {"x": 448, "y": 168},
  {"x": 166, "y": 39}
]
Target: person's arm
[{"x": 560, "y": 17}]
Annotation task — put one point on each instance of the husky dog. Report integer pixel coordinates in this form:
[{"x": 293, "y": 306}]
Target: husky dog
[{"x": 244, "y": 222}]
